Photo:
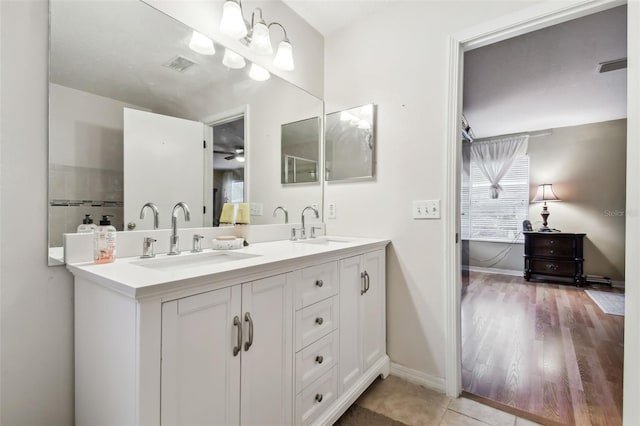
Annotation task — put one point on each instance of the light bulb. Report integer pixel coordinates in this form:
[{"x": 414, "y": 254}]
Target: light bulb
[
  {"x": 364, "y": 124},
  {"x": 284, "y": 56},
  {"x": 232, "y": 60},
  {"x": 345, "y": 116},
  {"x": 240, "y": 158},
  {"x": 260, "y": 41},
  {"x": 201, "y": 44},
  {"x": 258, "y": 73},
  {"x": 232, "y": 22}
]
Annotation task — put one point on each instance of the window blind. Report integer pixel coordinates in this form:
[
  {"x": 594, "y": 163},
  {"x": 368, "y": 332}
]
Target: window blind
[{"x": 500, "y": 219}]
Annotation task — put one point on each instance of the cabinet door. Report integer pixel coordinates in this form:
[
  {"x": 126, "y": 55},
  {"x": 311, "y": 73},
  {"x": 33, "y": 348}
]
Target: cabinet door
[
  {"x": 372, "y": 308},
  {"x": 200, "y": 379},
  {"x": 267, "y": 364},
  {"x": 351, "y": 287}
]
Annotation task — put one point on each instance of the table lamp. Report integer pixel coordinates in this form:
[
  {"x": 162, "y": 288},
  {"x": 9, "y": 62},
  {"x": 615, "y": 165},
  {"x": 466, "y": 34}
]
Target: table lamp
[{"x": 545, "y": 193}]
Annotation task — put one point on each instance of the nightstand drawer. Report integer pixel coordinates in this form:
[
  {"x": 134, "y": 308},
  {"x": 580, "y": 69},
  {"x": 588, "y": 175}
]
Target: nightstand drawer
[
  {"x": 550, "y": 246},
  {"x": 553, "y": 267}
]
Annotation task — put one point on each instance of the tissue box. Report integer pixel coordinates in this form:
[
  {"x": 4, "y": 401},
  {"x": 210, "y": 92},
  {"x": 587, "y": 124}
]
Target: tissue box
[{"x": 227, "y": 244}]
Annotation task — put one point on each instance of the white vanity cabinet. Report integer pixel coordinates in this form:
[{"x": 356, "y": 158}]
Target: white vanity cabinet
[
  {"x": 227, "y": 356},
  {"x": 287, "y": 338},
  {"x": 362, "y": 315}
]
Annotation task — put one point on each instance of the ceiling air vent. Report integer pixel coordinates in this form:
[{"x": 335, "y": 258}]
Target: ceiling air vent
[
  {"x": 179, "y": 63},
  {"x": 616, "y": 64}
]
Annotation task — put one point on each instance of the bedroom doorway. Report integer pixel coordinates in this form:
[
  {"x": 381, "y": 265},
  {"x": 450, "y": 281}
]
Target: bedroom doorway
[{"x": 547, "y": 309}]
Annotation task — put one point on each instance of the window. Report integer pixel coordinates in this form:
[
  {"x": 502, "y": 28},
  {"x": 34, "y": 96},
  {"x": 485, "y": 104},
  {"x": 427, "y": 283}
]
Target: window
[{"x": 497, "y": 219}]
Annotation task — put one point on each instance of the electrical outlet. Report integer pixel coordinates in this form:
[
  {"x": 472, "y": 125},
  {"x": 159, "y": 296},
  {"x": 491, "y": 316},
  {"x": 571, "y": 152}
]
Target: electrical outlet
[
  {"x": 426, "y": 209},
  {"x": 331, "y": 211},
  {"x": 256, "y": 209}
]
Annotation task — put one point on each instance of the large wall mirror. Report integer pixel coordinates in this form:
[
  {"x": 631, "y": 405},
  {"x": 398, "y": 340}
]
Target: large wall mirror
[
  {"x": 350, "y": 144},
  {"x": 136, "y": 116}
]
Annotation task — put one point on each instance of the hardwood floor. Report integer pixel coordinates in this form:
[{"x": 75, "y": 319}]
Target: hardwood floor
[{"x": 543, "y": 348}]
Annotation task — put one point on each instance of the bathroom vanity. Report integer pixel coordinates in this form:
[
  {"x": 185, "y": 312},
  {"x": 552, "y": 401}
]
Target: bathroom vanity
[{"x": 279, "y": 332}]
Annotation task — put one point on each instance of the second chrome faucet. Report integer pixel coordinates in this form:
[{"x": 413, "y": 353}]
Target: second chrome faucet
[{"x": 174, "y": 239}]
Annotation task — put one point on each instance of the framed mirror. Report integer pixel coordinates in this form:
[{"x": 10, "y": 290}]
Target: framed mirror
[
  {"x": 300, "y": 149},
  {"x": 136, "y": 115},
  {"x": 350, "y": 144}
]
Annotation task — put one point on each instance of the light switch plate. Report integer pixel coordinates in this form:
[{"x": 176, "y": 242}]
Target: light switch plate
[
  {"x": 426, "y": 209},
  {"x": 256, "y": 209},
  {"x": 331, "y": 211}
]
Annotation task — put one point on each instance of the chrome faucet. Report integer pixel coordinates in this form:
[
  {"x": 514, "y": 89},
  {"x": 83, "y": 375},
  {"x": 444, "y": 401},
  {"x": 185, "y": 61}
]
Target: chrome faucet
[
  {"x": 286, "y": 213},
  {"x": 174, "y": 241},
  {"x": 303, "y": 234},
  {"x": 154, "y": 209}
]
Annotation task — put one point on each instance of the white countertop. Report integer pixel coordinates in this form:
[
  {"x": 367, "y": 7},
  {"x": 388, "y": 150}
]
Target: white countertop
[{"x": 129, "y": 276}]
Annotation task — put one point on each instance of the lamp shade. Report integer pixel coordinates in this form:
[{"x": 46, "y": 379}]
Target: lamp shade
[
  {"x": 260, "y": 40},
  {"x": 232, "y": 22},
  {"x": 284, "y": 56},
  {"x": 201, "y": 44},
  {"x": 232, "y": 60},
  {"x": 545, "y": 193},
  {"x": 257, "y": 73}
]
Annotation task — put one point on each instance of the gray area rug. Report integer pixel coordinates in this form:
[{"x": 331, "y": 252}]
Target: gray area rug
[
  {"x": 359, "y": 416},
  {"x": 609, "y": 303}
]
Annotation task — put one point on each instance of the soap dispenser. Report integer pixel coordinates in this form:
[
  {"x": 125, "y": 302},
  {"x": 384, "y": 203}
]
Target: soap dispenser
[
  {"x": 87, "y": 226},
  {"x": 104, "y": 241}
]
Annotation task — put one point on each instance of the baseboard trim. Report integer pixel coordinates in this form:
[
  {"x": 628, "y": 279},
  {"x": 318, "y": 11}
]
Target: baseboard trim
[
  {"x": 492, "y": 270},
  {"x": 418, "y": 377}
]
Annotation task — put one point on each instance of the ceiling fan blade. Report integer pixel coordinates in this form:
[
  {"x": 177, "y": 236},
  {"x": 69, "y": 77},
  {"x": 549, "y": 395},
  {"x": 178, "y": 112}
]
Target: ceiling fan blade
[{"x": 230, "y": 157}]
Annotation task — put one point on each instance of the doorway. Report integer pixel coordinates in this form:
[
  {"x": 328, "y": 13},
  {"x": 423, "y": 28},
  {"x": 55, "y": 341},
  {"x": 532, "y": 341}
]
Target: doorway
[
  {"x": 533, "y": 19},
  {"x": 229, "y": 159}
]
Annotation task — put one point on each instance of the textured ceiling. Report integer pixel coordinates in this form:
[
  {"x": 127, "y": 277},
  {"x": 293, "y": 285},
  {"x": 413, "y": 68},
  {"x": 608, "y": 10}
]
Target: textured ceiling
[{"x": 548, "y": 78}]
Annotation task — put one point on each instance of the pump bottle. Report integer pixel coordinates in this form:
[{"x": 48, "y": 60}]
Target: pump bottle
[{"x": 104, "y": 242}]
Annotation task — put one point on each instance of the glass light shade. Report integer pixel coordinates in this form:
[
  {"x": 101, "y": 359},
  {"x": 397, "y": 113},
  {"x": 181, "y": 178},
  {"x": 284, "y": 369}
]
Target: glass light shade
[
  {"x": 201, "y": 44},
  {"x": 232, "y": 60},
  {"x": 232, "y": 22},
  {"x": 258, "y": 73},
  {"x": 240, "y": 158},
  {"x": 284, "y": 56},
  {"x": 545, "y": 193},
  {"x": 346, "y": 116},
  {"x": 364, "y": 124},
  {"x": 260, "y": 40}
]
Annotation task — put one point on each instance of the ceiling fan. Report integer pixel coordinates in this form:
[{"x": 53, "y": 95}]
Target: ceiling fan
[{"x": 231, "y": 155}]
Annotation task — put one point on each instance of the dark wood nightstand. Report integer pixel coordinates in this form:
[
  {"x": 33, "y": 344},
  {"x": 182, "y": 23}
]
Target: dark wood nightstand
[{"x": 554, "y": 254}]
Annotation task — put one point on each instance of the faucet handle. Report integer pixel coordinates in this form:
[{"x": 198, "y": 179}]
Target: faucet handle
[
  {"x": 147, "y": 248},
  {"x": 197, "y": 243},
  {"x": 313, "y": 231}
]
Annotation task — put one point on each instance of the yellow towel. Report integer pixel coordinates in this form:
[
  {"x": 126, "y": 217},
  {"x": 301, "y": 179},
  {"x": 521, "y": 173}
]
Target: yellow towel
[
  {"x": 243, "y": 216},
  {"x": 227, "y": 213}
]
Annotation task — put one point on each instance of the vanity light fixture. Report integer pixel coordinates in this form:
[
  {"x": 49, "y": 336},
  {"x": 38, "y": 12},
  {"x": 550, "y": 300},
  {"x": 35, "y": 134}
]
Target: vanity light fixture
[
  {"x": 256, "y": 34},
  {"x": 201, "y": 44},
  {"x": 257, "y": 73},
  {"x": 232, "y": 60}
]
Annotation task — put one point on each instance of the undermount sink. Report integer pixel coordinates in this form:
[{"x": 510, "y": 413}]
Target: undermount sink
[
  {"x": 324, "y": 240},
  {"x": 169, "y": 263}
]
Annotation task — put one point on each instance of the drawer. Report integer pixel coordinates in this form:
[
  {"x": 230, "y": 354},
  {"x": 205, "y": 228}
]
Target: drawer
[
  {"x": 315, "y": 360},
  {"x": 316, "y": 321},
  {"x": 314, "y": 284},
  {"x": 553, "y": 267},
  {"x": 316, "y": 398},
  {"x": 550, "y": 246}
]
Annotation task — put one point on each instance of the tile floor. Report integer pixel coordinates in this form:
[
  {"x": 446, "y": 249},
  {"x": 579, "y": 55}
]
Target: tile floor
[{"x": 415, "y": 405}]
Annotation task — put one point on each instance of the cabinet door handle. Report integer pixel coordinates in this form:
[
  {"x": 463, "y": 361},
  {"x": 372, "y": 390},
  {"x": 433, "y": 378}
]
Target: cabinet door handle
[
  {"x": 362, "y": 284},
  {"x": 552, "y": 266},
  {"x": 319, "y": 320},
  {"x": 319, "y": 283},
  {"x": 367, "y": 281},
  {"x": 249, "y": 342},
  {"x": 319, "y": 359},
  {"x": 238, "y": 324},
  {"x": 319, "y": 397}
]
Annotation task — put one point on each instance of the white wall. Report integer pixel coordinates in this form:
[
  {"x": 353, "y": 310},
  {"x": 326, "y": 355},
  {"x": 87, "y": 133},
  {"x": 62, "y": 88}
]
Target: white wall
[
  {"x": 397, "y": 58},
  {"x": 36, "y": 322},
  {"x": 37, "y": 301}
]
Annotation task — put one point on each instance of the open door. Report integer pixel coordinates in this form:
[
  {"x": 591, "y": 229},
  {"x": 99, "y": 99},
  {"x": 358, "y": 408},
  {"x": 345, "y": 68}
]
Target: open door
[{"x": 163, "y": 163}]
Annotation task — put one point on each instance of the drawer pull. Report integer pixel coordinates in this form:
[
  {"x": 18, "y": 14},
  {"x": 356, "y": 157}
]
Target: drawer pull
[
  {"x": 318, "y": 397},
  {"x": 550, "y": 251},
  {"x": 552, "y": 266},
  {"x": 551, "y": 242},
  {"x": 319, "y": 320},
  {"x": 319, "y": 283},
  {"x": 319, "y": 359}
]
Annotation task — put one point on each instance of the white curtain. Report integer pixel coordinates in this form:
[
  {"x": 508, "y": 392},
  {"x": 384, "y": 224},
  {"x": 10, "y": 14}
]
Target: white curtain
[{"x": 495, "y": 157}]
